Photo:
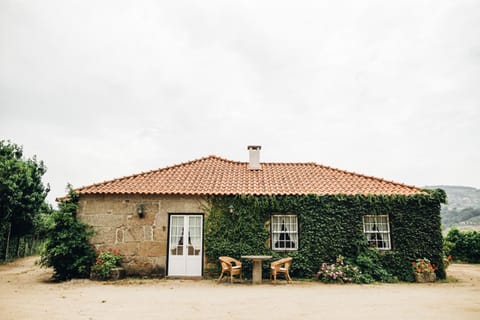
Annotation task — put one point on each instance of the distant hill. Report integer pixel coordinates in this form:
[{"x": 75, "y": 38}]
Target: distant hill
[{"x": 462, "y": 209}]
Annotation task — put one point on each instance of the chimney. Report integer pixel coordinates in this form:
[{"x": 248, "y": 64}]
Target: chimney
[{"x": 254, "y": 158}]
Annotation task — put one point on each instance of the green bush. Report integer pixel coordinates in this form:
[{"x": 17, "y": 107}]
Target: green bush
[
  {"x": 67, "y": 249},
  {"x": 463, "y": 245},
  {"x": 371, "y": 264}
]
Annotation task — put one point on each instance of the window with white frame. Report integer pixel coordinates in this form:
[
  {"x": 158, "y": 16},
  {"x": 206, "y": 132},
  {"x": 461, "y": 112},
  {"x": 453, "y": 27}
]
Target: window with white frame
[
  {"x": 284, "y": 232},
  {"x": 377, "y": 230}
]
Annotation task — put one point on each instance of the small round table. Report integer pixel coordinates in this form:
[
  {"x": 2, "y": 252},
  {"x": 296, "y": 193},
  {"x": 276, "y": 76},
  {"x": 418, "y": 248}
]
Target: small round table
[{"x": 257, "y": 267}]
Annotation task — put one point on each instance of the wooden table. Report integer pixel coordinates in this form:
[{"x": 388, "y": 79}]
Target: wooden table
[{"x": 257, "y": 267}]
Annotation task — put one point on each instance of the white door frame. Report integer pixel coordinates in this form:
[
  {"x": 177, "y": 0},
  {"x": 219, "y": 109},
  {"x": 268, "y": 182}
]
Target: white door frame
[{"x": 185, "y": 249}]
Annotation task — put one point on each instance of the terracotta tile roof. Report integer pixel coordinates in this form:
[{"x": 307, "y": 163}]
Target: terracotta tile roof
[{"x": 216, "y": 176}]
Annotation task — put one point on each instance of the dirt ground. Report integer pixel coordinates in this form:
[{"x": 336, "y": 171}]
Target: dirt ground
[{"x": 27, "y": 293}]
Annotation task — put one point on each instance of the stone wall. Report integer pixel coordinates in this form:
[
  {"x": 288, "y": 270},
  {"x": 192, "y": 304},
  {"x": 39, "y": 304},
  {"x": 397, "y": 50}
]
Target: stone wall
[{"x": 141, "y": 240}]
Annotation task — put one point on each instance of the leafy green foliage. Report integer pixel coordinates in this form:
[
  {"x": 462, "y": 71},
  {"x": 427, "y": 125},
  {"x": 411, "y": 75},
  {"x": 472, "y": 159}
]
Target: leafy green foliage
[
  {"x": 463, "y": 245},
  {"x": 24, "y": 245},
  {"x": 329, "y": 226},
  {"x": 22, "y": 193},
  {"x": 67, "y": 247},
  {"x": 42, "y": 222},
  {"x": 372, "y": 265}
]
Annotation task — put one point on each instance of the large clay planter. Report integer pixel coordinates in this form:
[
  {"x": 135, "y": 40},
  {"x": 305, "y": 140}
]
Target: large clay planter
[{"x": 425, "y": 277}]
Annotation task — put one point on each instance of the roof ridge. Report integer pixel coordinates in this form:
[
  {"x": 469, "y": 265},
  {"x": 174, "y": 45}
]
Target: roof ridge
[
  {"x": 284, "y": 163},
  {"x": 369, "y": 177},
  {"x": 344, "y": 171},
  {"x": 181, "y": 164},
  {"x": 223, "y": 159}
]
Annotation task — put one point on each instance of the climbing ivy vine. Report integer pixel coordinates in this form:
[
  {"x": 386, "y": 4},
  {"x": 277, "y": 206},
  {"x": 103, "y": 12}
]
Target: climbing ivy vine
[{"x": 329, "y": 226}]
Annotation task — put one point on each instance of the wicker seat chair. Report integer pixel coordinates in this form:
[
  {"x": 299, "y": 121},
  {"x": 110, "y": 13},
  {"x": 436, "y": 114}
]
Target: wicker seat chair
[
  {"x": 231, "y": 266},
  {"x": 281, "y": 267}
]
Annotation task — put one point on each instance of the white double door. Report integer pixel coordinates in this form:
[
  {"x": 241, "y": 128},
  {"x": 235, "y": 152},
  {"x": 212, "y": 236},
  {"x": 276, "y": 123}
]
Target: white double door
[{"x": 185, "y": 245}]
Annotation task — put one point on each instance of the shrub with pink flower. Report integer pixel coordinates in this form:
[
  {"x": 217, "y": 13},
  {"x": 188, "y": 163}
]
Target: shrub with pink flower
[{"x": 337, "y": 272}]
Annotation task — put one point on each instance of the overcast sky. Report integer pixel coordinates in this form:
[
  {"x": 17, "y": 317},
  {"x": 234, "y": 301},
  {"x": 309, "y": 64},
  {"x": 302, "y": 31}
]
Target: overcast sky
[{"x": 104, "y": 89}]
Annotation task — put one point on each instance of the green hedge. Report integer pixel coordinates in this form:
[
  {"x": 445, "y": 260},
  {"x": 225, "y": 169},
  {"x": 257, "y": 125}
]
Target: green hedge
[
  {"x": 328, "y": 226},
  {"x": 464, "y": 245}
]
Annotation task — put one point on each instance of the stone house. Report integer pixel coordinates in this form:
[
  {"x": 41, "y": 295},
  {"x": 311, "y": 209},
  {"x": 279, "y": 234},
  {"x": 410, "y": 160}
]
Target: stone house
[{"x": 156, "y": 218}]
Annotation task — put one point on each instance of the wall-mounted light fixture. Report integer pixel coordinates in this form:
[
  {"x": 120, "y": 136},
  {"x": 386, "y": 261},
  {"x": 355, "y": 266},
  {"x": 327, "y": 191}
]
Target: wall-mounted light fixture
[
  {"x": 230, "y": 208},
  {"x": 140, "y": 210}
]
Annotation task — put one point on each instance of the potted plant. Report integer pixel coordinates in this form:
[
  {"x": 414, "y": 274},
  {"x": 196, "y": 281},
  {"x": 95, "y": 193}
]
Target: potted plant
[
  {"x": 107, "y": 266},
  {"x": 424, "y": 270}
]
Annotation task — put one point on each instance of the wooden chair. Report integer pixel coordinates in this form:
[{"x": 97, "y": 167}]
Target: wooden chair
[
  {"x": 280, "y": 267},
  {"x": 231, "y": 266}
]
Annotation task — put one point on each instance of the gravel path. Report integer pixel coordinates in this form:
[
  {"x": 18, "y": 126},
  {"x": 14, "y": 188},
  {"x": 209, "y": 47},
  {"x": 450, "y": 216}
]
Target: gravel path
[{"x": 27, "y": 293}]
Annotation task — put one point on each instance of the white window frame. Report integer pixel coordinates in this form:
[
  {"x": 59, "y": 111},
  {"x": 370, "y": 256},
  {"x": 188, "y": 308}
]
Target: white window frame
[
  {"x": 377, "y": 231},
  {"x": 284, "y": 232}
]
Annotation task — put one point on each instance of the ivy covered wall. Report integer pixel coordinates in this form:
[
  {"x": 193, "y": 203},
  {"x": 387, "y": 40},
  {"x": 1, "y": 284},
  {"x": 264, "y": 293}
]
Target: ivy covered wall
[{"x": 329, "y": 226}]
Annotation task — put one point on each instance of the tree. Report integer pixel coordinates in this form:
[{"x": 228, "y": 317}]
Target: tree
[{"x": 22, "y": 192}]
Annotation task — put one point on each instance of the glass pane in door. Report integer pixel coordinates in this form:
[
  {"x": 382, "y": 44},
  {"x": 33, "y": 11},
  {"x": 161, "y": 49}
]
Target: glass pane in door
[
  {"x": 176, "y": 235},
  {"x": 194, "y": 235}
]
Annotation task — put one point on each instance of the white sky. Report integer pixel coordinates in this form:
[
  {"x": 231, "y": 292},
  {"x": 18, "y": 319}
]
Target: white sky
[{"x": 104, "y": 89}]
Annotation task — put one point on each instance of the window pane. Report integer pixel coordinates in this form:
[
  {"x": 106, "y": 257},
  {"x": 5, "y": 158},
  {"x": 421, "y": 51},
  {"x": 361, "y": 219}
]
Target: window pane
[
  {"x": 176, "y": 236},
  {"x": 284, "y": 232},
  {"x": 377, "y": 231},
  {"x": 276, "y": 224},
  {"x": 195, "y": 236}
]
